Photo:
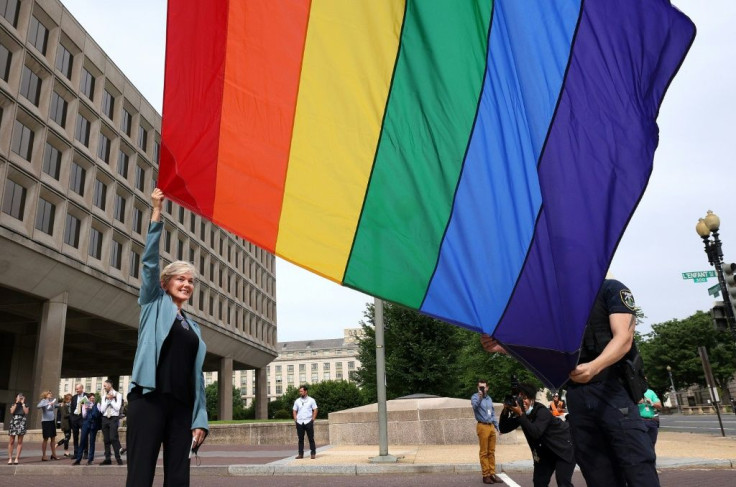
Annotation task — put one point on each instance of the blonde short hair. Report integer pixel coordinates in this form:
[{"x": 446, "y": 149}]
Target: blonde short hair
[
  {"x": 44, "y": 394},
  {"x": 177, "y": 268}
]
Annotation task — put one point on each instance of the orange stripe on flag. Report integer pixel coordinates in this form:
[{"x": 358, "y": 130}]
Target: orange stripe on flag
[{"x": 265, "y": 41}]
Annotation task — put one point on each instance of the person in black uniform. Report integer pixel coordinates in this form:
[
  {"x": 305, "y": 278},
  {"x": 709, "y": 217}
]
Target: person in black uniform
[
  {"x": 611, "y": 443},
  {"x": 547, "y": 435}
]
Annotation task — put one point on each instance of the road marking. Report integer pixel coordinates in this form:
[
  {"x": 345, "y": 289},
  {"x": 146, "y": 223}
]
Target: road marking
[{"x": 507, "y": 480}]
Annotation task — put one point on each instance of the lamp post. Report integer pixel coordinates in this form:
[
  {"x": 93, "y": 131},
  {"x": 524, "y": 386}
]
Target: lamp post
[
  {"x": 674, "y": 392},
  {"x": 705, "y": 227}
]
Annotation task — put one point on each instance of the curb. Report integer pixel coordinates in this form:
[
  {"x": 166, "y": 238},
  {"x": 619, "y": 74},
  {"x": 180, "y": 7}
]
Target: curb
[{"x": 275, "y": 469}]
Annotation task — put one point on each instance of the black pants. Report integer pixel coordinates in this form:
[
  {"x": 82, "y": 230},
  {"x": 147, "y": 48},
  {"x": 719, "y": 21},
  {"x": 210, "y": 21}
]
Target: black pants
[
  {"x": 76, "y": 422},
  {"x": 110, "y": 436},
  {"x": 612, "y": 447},
  {"x": 549, "y": 463},
  {"x": 155, "y": 419},
  {"x": 309, "y": 428}
]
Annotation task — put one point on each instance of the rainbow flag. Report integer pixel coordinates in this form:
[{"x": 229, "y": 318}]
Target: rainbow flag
[{"x": 475, "y": 160}]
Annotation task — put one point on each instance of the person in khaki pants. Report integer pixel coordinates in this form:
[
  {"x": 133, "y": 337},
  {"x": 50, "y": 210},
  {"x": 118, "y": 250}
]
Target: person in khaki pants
[{"x": 486, "y": 429}]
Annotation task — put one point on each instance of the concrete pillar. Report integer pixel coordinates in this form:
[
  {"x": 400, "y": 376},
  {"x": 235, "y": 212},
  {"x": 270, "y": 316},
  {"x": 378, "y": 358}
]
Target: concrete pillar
[
  {"x": 225, "y": 389},
  {"x": 261, "y": 394},
  {"x": 49, "y": 348}
]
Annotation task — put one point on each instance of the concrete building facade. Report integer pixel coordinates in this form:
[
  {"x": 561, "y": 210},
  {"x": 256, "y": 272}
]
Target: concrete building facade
[
  {"x": 298, "y": 362},
  {"x": 79, "y": 149}
]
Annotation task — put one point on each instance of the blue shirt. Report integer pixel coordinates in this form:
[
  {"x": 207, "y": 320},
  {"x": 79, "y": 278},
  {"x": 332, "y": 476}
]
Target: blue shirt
[{"x": 483, "y": 410}]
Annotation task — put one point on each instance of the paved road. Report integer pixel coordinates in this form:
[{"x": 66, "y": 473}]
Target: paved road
[
  {"x": 705, "y": 424},
  {"x": 704, "y": 478}
]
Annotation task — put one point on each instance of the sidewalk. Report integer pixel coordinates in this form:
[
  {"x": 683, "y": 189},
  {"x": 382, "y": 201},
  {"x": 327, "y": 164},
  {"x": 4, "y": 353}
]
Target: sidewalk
[{"x": 674, "y": 450}]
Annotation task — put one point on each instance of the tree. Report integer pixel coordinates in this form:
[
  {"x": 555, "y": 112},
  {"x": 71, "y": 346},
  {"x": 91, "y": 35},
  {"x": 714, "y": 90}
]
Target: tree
[
  {"x": 212, "y": 396},
  {"x": 335, "y": 395},
  {"x": 420, "y": 354},
  {"x": 675, "y": 343},
  {"x": 427, "y": 355},
  {"x": 283, "y": 404}
]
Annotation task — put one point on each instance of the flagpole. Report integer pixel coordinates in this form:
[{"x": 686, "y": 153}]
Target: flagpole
[{"x": 383, "y": 456}]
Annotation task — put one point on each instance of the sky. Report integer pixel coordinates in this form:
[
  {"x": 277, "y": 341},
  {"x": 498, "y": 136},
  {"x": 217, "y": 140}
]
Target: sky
[{"x": 693, "y": 170}]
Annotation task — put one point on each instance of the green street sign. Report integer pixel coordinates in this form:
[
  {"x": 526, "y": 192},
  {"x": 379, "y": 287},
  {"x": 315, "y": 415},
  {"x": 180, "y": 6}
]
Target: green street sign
[
  {"x": 700, "y": 279},
  {"x": 698, "y": 275},
  {"x": 714, "y": 290}
]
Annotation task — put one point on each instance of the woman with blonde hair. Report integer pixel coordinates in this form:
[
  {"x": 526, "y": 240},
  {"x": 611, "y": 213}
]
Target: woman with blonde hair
[
  {"x": 166, "y": 401},
  {"x": 48, "y": 406}
]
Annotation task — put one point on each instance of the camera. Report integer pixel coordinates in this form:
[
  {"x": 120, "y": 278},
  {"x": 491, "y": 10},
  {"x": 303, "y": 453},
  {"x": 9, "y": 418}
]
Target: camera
[
  {"x": 512, "y": 400},
  {"x": 482, "y": 389}
]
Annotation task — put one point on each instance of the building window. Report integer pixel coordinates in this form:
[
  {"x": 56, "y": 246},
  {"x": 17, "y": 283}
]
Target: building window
[
  {"x": 140, "y": 175},
  {"x": 103, "y": 148},
  {"x": 142, "y": 138},
  {"x": 137, "y": 220},
  {"x": 123, "y": 160},
  {"x": 87, "y": 83},
  {"x": 76, "y": 179},
  {"x": 108, "y": 104},
  {"x": 119, "y": 210},
  {"x": 179, "y": 250},
  {"x": 30, "y": 85},
  {"x": 45, "y": 216},
  {"x": 71, "y": 230},
  {"x": 9, "y": 10},
  {"x": 22, "y": 143},
  {"x": 167, "y": 241},
  {"x": 5, "y": 57},
  {"x": 127, "y": 122},
  {"x": 116, "y": 254},
  {"x": 81, "y": 132},
  {"x": 100, "y": 195},
  {"x": 135, "y": 263},
  {"x": 95, "y": 243},
  {"x": 156, "y": 151},
  {"x": 51, "y": 161},
  {"x": 57, "y": 112},
  {"x": 64, "y": 60},
  {"x": 14, "y": 199},
  {"x": 38, "y": 35},
  {"x": 351, "y": 365}
]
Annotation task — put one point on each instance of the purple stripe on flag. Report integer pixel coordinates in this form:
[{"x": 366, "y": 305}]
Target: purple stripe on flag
[{"x": 594, "y": 168}]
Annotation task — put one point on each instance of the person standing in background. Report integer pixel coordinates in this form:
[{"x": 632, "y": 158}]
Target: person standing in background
[
  {"x": 66, "y": 426},
  {"x": 486, "y": 429},
  {"x": 18, "y": 419},
  {"x": 110, "y": 408},
  {"x": 305, "y": 412},
  {"x": 75, "y": 418},
  {"x": 649, "y": 411},
  {"x": 48, "y": 406}
]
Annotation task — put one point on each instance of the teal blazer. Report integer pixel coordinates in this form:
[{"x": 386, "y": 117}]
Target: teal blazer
[{"x": 158, "y": 313}]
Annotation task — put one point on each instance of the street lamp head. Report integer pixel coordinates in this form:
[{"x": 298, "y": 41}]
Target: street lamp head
[
  {"x": 712, "y": 221},
  {"x": 702, "y": 228},
  {"x": 669, "y": 369}
]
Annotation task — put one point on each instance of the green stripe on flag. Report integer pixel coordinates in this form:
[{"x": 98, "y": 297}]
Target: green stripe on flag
[{"x": 427, "y": 125}]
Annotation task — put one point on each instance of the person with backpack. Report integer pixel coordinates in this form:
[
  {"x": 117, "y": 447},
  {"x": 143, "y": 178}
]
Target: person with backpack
[{"x": 548, "y": 437}]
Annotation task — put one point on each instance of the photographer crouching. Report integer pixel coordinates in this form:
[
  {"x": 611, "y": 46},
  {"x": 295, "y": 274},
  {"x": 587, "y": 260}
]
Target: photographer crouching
[{"x": 548, "y": 436}]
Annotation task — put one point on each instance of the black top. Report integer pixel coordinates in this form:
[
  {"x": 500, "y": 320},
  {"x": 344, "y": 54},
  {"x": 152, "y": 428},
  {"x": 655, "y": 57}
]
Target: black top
[
  {"x": 544, "y": 432},
  {"x": 178, "y": 353}
]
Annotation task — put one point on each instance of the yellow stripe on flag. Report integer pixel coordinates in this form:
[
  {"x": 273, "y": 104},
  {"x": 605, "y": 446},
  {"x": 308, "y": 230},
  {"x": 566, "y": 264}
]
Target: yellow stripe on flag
[{"x": 349, "y": 56}]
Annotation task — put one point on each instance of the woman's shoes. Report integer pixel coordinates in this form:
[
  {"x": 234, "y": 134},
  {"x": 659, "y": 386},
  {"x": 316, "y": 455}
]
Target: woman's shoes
[
  {"x": 54, "y": 457},
  {"x": 44, "y": 459},
  {"x": 10, "y": 461},
  {"x": 15, "y": 462},
  {"x": 66, "y": 455}
]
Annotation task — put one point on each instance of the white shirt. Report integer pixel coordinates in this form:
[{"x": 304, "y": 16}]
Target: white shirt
[
  {"x": 110, "y": 408},
  {"x": 304, "y": 407}
]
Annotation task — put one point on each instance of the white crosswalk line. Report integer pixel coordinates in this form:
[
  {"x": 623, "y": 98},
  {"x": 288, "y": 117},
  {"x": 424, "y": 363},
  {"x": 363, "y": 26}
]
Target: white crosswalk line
[{"x": 507, "y": 480}]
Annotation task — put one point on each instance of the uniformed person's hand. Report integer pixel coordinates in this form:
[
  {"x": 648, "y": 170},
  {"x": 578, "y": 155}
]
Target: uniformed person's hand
[{"x": 583, "y": 373}]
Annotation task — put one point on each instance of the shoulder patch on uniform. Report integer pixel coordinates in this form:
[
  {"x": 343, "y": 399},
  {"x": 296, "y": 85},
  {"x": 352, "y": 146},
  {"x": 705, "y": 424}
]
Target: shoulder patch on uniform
[{"x": 628, "y": 299}]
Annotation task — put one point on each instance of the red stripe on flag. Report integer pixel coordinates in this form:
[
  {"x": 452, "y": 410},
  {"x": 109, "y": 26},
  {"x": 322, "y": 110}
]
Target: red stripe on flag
[{"x": 193, "y": 91}]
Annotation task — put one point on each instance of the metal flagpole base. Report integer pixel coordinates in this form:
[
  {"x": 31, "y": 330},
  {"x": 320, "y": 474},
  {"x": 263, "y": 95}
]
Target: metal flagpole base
[{"x": 385, "y": 459}]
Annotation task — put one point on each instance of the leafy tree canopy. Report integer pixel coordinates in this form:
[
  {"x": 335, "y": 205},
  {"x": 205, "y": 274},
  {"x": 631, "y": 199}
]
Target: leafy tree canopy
[{"x": 675, "y": 343}]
